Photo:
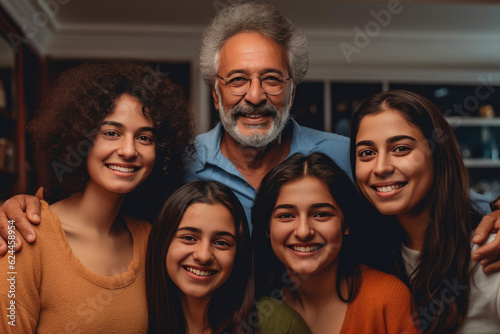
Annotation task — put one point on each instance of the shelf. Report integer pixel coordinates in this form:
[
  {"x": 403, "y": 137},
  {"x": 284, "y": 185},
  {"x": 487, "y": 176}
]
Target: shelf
[
  {"x": 472, "y": 121},
  {"x": 481, "y": 163}
]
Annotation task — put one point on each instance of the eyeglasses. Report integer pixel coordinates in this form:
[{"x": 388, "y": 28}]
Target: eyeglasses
[{"x": 271, "y": 83}]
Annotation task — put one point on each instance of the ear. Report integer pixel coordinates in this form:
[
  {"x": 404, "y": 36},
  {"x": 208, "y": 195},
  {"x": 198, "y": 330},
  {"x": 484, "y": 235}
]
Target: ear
[
  {"x": 347, "y": 230},
  {"x": 216, "y": 98},
  {"x": 267, "y": 234}
]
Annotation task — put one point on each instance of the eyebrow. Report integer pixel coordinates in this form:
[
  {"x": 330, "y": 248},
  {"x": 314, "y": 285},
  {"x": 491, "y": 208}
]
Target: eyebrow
[
  {"x": 120, "y": 125},
  {"x": 389, "y": 140},
  {"x": 315, "y": 206},
  {"x": 265, "y": 71},
  {"x": 198, "y": 230}
]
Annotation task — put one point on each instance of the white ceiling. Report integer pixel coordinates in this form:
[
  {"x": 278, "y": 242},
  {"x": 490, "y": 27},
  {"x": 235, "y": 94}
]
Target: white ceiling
[{"x": 425, "y": 34}]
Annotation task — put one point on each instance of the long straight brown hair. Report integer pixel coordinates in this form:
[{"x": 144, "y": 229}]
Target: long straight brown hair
[
  {"x": 270, "y": 272},
  {"x": 440, "y": 283},
  {"x": 232, "y": 302}
]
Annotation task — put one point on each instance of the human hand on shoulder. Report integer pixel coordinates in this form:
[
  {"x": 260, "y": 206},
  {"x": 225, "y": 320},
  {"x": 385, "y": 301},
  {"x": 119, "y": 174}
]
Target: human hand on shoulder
[{"x": 20, "y": 211}]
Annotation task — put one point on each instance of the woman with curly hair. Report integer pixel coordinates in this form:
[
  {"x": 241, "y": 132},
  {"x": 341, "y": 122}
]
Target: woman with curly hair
[{"x": 108, "y": 136}]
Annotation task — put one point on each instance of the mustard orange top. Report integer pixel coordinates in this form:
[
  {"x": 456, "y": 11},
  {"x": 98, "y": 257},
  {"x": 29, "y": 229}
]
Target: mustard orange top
[{"x": 52, "y": 292}]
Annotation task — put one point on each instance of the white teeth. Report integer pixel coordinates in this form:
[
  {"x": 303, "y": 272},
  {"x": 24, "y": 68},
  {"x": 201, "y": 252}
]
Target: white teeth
[
  {"x": 199, "y": 272},
  {"x": 254, "y": 116},
  {"x": 388, "y": 188},
  {"x": 121, "y": 169},
  {"x": 305, "y": 249}
]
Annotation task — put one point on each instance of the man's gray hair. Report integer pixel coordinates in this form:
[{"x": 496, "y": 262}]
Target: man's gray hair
[{"x": 262, "y": 18}]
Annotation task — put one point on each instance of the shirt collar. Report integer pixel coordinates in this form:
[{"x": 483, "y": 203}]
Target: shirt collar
[
  {"x": 301, "y": 142},
  {"x": 208, "y": 148}
]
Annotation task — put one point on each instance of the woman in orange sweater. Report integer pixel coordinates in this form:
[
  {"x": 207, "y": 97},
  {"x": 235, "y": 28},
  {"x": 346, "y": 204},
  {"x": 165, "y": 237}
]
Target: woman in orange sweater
[
  {"x": 102, "y": 141},
  {"x": 306, "y": 218}
]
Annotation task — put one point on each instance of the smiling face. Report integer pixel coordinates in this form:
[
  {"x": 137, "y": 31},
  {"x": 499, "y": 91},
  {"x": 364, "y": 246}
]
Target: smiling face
[
  {"x": 201, "y": 255},
  {"x": 394, "y": 166},
  {"x": 306, "y": 227},
  {"x": 254, "y": 119},
  {"x": 123, "y": 152}
]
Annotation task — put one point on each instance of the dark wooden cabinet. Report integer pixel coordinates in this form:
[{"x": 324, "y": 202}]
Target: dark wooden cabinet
[{"x": 19, "y": 91}]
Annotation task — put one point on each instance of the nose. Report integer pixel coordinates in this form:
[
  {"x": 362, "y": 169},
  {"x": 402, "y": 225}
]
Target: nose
[
  {"x": 256, "y": 93},
  {"x": 304, "y": 230},
  {"x": 127, "y": 149},
  {"x": 383, "y": 166},
  {"x": 203, "y": 253}
]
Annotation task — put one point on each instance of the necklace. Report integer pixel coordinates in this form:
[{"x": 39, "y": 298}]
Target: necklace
[
  {"x": 319, "y": 313},
  {"x": 295, "y": 297}
]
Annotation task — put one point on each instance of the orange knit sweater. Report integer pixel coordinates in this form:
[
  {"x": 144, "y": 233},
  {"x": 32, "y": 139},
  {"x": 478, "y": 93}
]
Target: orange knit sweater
[
  {"x": 383, "y": 305},
  {"x": 52, "y": 292}
]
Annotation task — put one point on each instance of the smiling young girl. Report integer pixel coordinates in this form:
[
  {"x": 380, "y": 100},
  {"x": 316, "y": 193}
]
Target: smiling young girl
[
  {"x": 104, "y": 130},
  {"x": 407, "y": 164},
  {"x": 199, "y": 263},
  {"x": 307, "y": 218}
]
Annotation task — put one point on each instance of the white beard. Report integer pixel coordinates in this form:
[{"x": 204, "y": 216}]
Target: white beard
[{"x": 229, "y": 120}]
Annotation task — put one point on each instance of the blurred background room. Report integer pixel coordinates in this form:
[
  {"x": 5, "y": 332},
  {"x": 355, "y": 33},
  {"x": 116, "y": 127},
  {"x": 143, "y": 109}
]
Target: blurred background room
[{"x": 448, "y": 51}]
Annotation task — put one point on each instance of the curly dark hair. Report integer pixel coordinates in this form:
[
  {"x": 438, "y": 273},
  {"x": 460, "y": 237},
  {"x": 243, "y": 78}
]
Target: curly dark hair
[{"x": 65, "y": 127}]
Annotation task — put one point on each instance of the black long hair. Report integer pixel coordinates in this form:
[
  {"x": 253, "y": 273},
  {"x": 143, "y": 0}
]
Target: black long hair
[
  {"x": 232, "y": 302},
  {"x": 445, "y": 256},
  {"x": 270, "y": 273}
]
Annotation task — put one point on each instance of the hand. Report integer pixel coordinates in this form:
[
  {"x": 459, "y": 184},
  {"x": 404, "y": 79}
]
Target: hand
[
  {"x": 495, "y": 204},
  {"x": 488, "y": 255},
  {"x": 24, "y": 210}
]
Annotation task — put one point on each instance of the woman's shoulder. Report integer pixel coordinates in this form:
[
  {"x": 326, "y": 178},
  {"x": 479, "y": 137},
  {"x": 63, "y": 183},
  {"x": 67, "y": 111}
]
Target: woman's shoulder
[
  {"x": 380, "y": 284},
  {"x": 275, "y": 316},
  {"x": 137, "y": 226},
  {"x": 382, "y": 300},
  {"x": 48, "y": 218}
]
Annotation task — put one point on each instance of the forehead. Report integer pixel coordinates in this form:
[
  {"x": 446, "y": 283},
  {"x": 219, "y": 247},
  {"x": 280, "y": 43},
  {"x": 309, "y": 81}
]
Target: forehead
[
  {"x": 128, "y": 110},
  {"x": 208, "y": 218},
  {"x": 305, "y": 190},
  {"x": 252, "y": 53},
  {"x": 385, "y": 124}
]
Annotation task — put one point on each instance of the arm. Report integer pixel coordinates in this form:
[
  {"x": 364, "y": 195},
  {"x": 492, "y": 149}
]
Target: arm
[
  {"x": 488, "y": 254},
  {"x": 24, "y": 210},
  {"x": 275, "y": 316},
  {"x": 19, "y": 297}
]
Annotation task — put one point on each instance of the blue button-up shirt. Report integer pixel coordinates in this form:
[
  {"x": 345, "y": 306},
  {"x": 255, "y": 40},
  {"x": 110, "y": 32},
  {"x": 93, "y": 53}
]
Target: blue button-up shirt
[{"x": 211, "y": 164}]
